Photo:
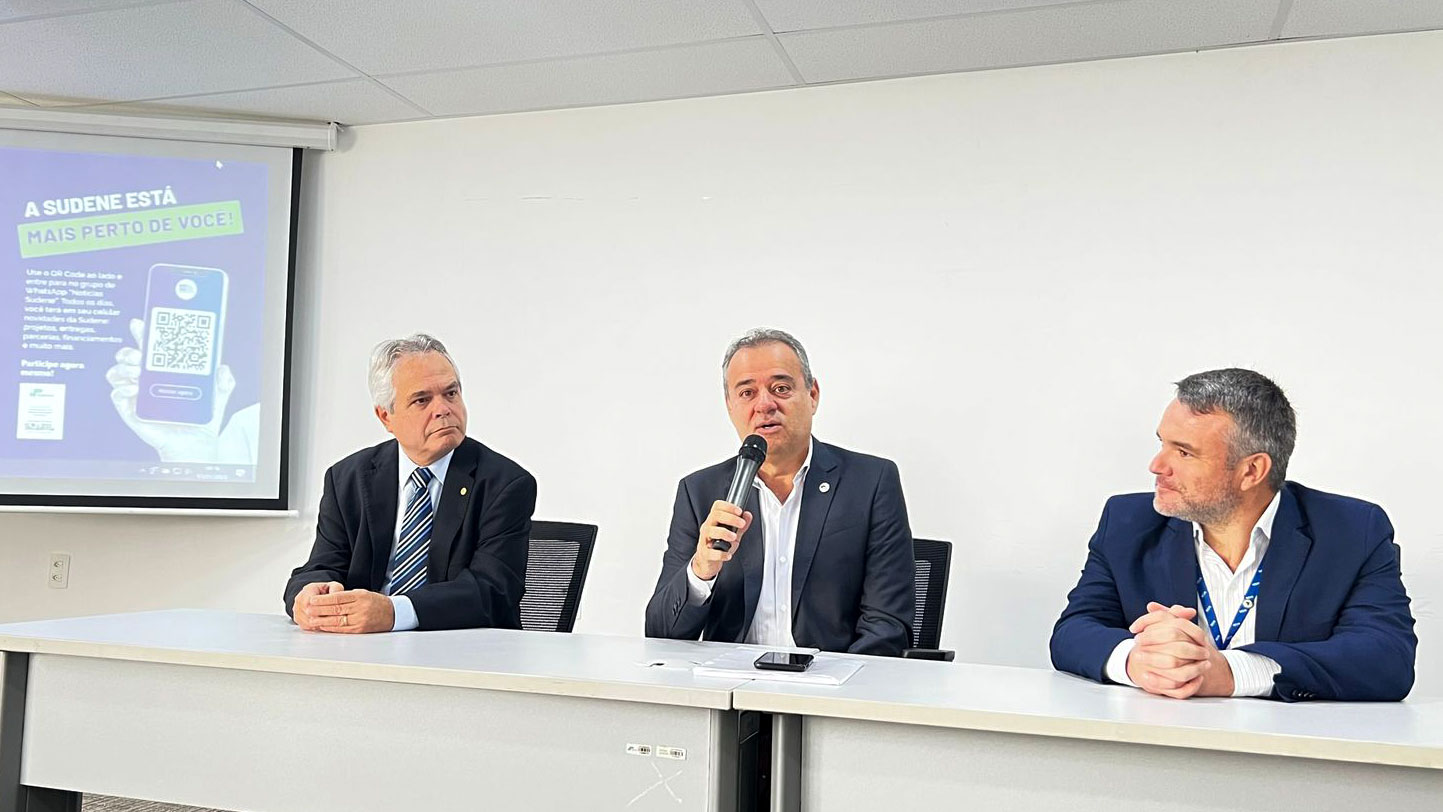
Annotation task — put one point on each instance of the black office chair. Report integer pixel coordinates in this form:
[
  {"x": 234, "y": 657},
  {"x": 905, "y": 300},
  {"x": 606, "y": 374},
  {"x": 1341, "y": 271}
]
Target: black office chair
[
  {"x": 559, "y": 556},
  {"x": 934, "y": 562}
]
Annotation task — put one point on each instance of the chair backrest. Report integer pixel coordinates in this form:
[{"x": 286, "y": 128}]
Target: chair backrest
[
  {"x": 934, "y": 560},
  {"x": 556, "y": 566}
]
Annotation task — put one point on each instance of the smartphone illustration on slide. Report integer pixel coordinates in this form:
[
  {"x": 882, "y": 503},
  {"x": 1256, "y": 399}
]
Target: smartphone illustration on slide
[{"x": 184, "y": 323}]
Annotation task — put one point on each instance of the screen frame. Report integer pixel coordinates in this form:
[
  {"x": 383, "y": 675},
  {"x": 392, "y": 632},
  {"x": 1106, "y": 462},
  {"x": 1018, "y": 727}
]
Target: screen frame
[{"x": 271, "y": 504}]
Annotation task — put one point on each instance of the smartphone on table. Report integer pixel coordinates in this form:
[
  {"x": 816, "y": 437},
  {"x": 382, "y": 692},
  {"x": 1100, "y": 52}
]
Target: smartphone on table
[{"x": 783, "y": 661}]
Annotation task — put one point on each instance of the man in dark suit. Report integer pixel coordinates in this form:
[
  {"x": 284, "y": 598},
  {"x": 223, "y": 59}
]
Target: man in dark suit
[
  {"x": 1228, "y": 580},
  {"x": 832, "y": 567},
  {"x": 429, "y": 531}
]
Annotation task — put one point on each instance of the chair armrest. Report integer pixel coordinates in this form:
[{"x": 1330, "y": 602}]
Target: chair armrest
[{"x": 943, "y": 655}]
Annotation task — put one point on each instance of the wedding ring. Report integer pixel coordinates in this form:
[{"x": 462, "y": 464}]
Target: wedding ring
[{"x": 343, "y": 620}]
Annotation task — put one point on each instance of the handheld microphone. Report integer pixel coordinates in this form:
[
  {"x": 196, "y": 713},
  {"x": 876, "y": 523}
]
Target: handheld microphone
[{"x": 753, "y": 452}]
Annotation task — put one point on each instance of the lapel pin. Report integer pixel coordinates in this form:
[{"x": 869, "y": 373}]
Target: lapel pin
[
  {"x": 463, "y": 491},
  {"x": 824, "y": 487}
]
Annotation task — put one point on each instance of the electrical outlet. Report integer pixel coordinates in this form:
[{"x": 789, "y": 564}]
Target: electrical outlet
[{"x": 59, "y": 573}]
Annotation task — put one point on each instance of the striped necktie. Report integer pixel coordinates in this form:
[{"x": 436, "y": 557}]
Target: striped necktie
[{"x": 408, "y": 563}]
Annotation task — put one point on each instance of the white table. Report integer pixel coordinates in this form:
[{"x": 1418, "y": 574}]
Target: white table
[
  {"x": 247, "y": 712},
  {"x": 929, "y": 735}
]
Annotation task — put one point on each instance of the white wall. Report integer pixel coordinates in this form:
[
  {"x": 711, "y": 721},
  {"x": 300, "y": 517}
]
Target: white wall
[{"x": 997, "y": 274}]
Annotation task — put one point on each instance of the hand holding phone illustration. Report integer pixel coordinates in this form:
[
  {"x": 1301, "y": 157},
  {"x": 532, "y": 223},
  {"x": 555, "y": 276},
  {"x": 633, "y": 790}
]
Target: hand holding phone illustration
[{"x": 174, "y": 442}]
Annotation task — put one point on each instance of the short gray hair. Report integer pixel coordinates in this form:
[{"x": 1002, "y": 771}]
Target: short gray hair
[
  {"x": 388, "y": 353},
  {"x": 766, "y": 335},
  {"x": 1264, "y": 419}
]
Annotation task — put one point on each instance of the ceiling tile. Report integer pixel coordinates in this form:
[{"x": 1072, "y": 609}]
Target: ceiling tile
[
  {"x": 799, "y": 15},
  {"x": 353, "y": 101},
  {"x": 166, "y": 50},
  {"x": 468, "y": 33},
  {"x": 697, "y": 70},
  {"x": 10, "y": 9},
  {"x": 1322, "y": 18},
  {"x": 1033, "y": 36}
]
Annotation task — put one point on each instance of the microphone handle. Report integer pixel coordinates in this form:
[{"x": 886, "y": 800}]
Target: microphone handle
[
  {"x": 737, "y": 492},
  {"x": 741, "y": 482}
]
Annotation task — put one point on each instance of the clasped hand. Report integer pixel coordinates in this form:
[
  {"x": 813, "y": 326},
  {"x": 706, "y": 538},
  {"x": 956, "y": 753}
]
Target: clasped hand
[
  {"x": 1173, "y": 656},
  {"x": 330, "y": 607}
]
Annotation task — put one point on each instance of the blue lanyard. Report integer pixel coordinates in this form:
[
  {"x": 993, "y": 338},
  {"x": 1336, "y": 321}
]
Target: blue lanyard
[{"x": 1249, "y": 598}]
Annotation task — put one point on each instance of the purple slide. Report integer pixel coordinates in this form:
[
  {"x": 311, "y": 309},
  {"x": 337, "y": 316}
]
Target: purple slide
[{"x": 131, "y": 293}]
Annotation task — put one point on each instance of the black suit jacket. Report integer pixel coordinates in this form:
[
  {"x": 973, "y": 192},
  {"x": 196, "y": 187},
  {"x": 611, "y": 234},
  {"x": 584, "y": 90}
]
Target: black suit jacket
[
  {"x": 853, "y": 574},
  {"x": 476, "y": 571}
]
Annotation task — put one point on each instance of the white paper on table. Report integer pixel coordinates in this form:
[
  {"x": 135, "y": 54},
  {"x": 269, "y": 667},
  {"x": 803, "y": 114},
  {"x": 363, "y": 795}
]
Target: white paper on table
[{"x": 739, "y": 663}]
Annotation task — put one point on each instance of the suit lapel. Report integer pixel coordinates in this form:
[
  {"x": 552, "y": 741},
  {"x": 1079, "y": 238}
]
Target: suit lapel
[
  {"x": 1180, "y": 555},
  {"x": 1288, "y": 548},
  {"x": 816, "y": 503},
  {"x": 380, "y": 487},
  {"x": 461, "y": 474}
]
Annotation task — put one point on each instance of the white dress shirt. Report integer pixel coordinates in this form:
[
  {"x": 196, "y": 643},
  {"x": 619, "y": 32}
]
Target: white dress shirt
[
  {"x": 406, "y": 613},
  {"x": 1252, "y": 673},
  {"x": 772, "y": 621}
]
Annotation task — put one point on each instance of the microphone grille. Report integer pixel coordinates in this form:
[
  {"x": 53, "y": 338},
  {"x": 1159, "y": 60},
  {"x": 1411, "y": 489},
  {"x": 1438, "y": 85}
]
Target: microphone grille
[{"x": 754, "y": 447}]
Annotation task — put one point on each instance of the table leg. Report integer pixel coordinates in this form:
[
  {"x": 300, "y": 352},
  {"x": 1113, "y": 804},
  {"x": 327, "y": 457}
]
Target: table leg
[
  {"x": 14, "y": 796},
  {"x": 786, "y": 795}
]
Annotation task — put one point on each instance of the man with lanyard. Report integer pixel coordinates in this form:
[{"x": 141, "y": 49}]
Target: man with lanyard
[{"x": 1229, "y": 580}]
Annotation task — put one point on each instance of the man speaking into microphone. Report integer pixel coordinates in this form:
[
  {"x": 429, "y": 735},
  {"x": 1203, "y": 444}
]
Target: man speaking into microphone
[{"x": 820, "y": 554}]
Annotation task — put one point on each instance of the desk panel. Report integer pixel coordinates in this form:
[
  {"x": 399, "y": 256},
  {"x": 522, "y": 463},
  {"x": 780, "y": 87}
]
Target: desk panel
[
  {"x": 928, "y": 735},
  {"x": 967, "y": 696},
  {"x": 860, "y": 765},
  {"x": 238, "y": 739}
]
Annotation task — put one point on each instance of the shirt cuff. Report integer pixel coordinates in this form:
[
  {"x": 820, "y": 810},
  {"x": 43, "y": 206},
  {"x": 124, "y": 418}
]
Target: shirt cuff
[
  {"x": 1253, "y": 673},
  {"x": 698, "y": 591},
  {"x": 1117, "y": 663},
  {"x": 405, "y": 614}
]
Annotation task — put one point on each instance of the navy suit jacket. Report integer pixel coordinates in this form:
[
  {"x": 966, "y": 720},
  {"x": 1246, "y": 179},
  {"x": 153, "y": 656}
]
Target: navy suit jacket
[
  {"x": 853, "y": 574},
  {"x": 1331, "y": 609},
  {"x": 476, "y": 570}
]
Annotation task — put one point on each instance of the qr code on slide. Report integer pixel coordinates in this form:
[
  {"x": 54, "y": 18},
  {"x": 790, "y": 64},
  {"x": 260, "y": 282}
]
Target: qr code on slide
[{"x": 180, "y": 341}]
